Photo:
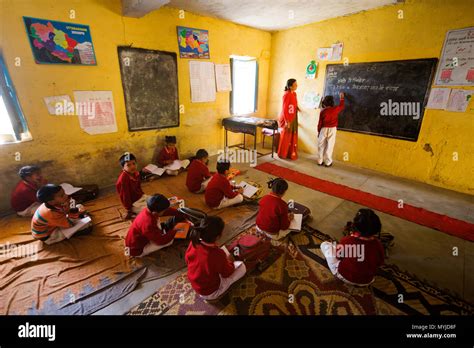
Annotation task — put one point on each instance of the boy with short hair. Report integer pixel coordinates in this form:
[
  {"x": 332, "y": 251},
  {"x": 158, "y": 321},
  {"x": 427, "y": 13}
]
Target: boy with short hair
[
  {"x": 129, "y": 186},
  {"x": 327, "y": 128},
  {"x": 219, "y": 192},
  {"x": 147, "y": 233},
  {"x": 23, "y": 198},
  {"x": 54, "y": 215},
  {"x": 198, "y": 176}
]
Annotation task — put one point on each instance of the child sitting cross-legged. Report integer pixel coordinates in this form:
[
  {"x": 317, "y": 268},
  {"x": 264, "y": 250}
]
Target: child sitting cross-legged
[
  {"x": 55, "y": 216},
  {"x": 356, "y": 257},
  {"x": 198, "y": 176},
  {"x": 147, "y": 233},
  {"x": 169, "y": 154},
  {"x": 219, "y": 192},
  {"x": 211, "y": 270}
]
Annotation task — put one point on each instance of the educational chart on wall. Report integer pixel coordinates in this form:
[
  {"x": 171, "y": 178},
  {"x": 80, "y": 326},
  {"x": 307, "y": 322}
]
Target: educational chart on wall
[
  {"x": 456, "y": 66},
  {"x": 56, "y": 103},
  {"x": 382, "y": 98},
  {"x": 193, "y": 43},
  {"x": 99, "y": 117},
  {"x": 54, "y": 42},
  {"x": 203, "y": 82},
  {"x": 223, "y": 80}
]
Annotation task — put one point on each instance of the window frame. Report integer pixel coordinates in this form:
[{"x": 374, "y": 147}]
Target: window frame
[
  {"x": 231, "y": 95},
  {"x": 12, "y": 104}
]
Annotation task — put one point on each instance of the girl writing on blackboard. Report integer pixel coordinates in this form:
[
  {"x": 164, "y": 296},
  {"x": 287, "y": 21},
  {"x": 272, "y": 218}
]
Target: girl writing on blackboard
[
  {"x": 288, "y": 122},
  {"x": 327, "y": 128}
]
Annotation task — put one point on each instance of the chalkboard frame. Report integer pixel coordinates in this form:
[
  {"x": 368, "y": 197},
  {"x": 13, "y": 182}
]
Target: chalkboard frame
[
  {"x": 145, "y": 50},
  {"x": 425, "y": 99}
]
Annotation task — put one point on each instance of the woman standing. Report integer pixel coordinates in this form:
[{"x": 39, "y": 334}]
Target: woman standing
[{"x": 288, "y": 121}]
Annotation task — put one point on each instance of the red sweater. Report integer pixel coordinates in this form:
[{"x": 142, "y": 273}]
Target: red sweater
[
  {"x": 145, "y": 229},
  {"x": 361, "y": 272},
  {"x": 329, "y": 116},
  {"x": 167, "y": 155},
  {"x": 197, "y": 173},
  {"x": 23, "y": 195},
  {"x": 218, "y": 187},
  {"x": 273, "y": 214},
  {"x": 205, "y": 264},
  {"x": 129, "y": 188}
]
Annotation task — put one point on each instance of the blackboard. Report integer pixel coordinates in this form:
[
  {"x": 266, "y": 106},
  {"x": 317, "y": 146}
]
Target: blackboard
[
  {"x": 382, "y": 98},
  {"x": 150, "y": 86}
]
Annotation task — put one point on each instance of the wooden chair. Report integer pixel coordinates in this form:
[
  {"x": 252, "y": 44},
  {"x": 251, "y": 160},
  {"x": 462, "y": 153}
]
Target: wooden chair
[{"x": 268, "y": 132}]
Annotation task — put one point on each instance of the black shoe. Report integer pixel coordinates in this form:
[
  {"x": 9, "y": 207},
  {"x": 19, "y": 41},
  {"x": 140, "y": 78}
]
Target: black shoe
[
  {"x": 328, "y": 165},
  {"x": 320, "y": 164}
]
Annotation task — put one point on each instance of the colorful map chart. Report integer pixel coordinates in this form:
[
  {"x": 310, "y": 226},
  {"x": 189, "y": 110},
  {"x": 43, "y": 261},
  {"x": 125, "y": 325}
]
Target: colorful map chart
[
  {"x": 193, "y": 43},
  {"x": 55, "y": 42}
]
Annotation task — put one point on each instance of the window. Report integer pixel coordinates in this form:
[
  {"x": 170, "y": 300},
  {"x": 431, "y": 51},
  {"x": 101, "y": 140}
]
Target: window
[
  {"x": 243, "y": 98},
  {"x": 13, "y": 126}
]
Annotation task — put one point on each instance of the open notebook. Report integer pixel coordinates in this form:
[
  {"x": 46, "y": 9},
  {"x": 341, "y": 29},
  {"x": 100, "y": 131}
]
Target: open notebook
[
  {"x": 249, "y": 190},
  {"x": 296, "y": 223},
  {"x": 78, "y": 224},
  {"x": 154, "y": 169}
]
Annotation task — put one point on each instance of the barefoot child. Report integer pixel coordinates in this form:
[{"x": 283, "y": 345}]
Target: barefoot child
[
  {"x": 198, "y": 175},
  {"x": 210, "y": 270},
  {"x": 219, "y": 192},
  {"x": 169, "y": 154},
  {"x": 356, "y": 258},
  {"x": 129, "y": 186},
  {"x": 273, "y": 218},
  {"x": 23, "y": 198},
  {"x": 327, "y": 128}
]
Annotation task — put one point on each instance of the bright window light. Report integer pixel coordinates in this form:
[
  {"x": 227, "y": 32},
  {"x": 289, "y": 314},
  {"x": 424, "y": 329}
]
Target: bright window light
[
  {"x": 6, "y": 127},
  {"x": 244, "y": 85}
]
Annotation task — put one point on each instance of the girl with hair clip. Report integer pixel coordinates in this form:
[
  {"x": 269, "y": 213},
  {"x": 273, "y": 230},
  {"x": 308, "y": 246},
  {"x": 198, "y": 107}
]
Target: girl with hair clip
[
  {"x": 169, "y": 154},
  {"x": 356, "y": 258},
  {"x": 211, "y": 270},
  {"x": 273, "y": 218}
]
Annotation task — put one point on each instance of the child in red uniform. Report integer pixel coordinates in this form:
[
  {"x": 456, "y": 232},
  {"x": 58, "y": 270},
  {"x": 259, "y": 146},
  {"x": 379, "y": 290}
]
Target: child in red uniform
[
  {"x": 54, "y": 216},
  {"x": 273, "y": 218},
  {"x": 169, "y": 154},
  {"x": 211, "y": 270},
  {"x": 23, "y": 198},
  {"x": 129, "y": 186},
  {"x": 327, "y": 128},
  {"x": 219, "y": 192},
  {"x": 198, "y": 176},
  {"x": 356, "y": 258},
  {"x": 147, "y": 233}
]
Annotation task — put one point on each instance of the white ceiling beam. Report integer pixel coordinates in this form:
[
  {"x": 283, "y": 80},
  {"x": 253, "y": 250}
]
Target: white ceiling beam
[{"x": 139, "y": 8}]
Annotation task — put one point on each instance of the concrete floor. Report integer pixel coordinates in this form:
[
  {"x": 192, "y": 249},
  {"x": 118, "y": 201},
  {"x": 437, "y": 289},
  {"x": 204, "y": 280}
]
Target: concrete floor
[{"x": 422, "y": 251}]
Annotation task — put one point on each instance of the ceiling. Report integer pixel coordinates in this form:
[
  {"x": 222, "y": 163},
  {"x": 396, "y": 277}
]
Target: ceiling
[{"x": 271, "y": 15}]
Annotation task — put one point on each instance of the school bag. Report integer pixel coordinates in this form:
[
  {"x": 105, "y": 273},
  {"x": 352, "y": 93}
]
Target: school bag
[
  {"x": 87, "y": 193},
  {"x": 253, "y": 250}
]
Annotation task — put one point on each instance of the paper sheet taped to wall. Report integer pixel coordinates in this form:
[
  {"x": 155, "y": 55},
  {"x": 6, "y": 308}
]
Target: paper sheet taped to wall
[
  {"x": 96, "y": 112},
  {"x": 203, "y": 81}
]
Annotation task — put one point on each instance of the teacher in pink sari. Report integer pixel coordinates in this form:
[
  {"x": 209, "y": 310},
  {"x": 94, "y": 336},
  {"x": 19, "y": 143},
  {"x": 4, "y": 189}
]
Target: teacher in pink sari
[{"x": 288, "y": 122}]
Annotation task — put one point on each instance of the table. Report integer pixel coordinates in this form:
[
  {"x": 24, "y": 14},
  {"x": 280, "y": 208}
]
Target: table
[{"x": 248, "y": 125}]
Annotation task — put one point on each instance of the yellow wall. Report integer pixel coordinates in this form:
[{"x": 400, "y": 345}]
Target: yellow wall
[
  {"x": 378, "y": 35},
  {"x": 59, "y": 145}
]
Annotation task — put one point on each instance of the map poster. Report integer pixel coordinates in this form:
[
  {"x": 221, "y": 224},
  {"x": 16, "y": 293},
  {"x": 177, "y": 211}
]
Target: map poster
[
  {"x": 55, "y": 42},
  {"x": 193, "y": 43}
]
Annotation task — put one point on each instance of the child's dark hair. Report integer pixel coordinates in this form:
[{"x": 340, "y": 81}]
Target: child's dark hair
[
  {"x": 278, "y": 185},
  {"x": 27, "y": 171},
  {"x": 327, "y": 101},
  {"x": 222, "y": 166},
  {"x": 157, "y": 203},
  {"x": 209, "y": 232},
  {"x": 46, "y": 193},
  {"x": 170, "y": 139},
  {"x": 201, "y": 153},
  {"x": 289, "y": 83},
  {"x": 367, "y": 222},
  {"x": 126, "y": 157}
]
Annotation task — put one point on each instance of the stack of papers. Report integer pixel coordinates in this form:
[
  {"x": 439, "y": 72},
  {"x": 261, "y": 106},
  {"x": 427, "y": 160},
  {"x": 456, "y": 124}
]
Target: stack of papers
[
  {"x": 295, "y": 224},
  {"x": 249, "y": 190}
]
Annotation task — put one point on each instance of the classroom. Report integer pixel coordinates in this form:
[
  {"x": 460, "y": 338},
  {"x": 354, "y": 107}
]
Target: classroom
[{"x": 247, "y": 157}]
